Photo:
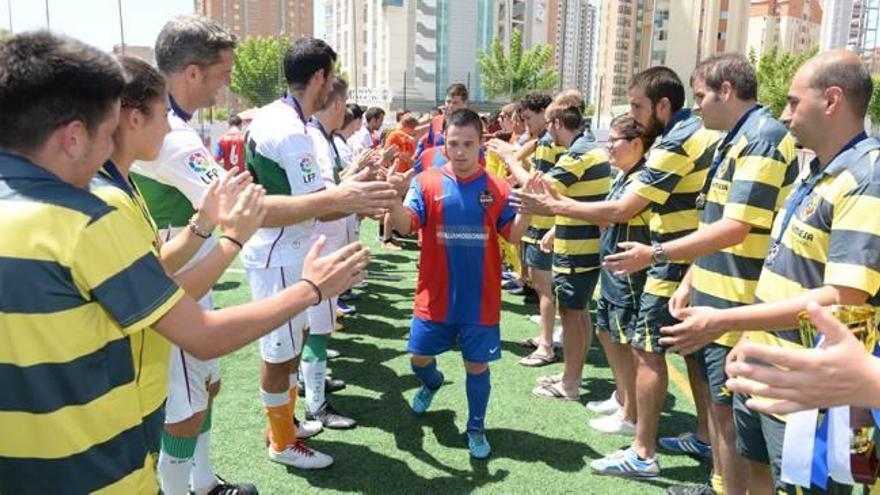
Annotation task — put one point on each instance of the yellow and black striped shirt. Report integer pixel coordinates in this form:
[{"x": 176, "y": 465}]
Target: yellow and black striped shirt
[
  {"x": 672, "y": 179},
  {"x": 833, "y": 237},
  {"x": 75, "y": 287},
  {"x": 544, "y": 158},
  {"x": 758, "y": 166},
  {"x": 583, "y": 174}
]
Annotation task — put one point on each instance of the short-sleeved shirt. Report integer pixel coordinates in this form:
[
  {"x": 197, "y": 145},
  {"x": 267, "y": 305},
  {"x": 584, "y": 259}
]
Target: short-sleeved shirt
[
  {"x": 406, "y": 148},
  {"x": 282, "y": 158},
  {"x": 832, "y": 238},
  {"x": 434, "y": 137},
  {"x": 624, "y": 291},
  {"x": 460, "y": 265},
  {"x": 76, "y": 285},
  {"x": 544, "y": 158},
  {"x": 757, "y": 166},
  {"x": 671, "y": 179},
  {"x": 581, "y": 173},
  {"x": 331, "y": 165},
  {"x": 229, "y": 150},
  {"x": 362, "y": 140},
  {"x": 430, "y": 159}
]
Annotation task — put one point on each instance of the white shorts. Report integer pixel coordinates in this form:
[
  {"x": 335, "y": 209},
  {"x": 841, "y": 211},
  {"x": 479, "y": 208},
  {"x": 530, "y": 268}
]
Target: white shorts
[
  {"x": 352, "y": 229},
  {"x": 322, "y": 318},
  {"x": 188, "y": 380},
  {"x": 285, "y": 342}
]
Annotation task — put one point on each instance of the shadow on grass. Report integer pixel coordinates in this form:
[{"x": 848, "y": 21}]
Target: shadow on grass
[{"x": 226, "y": 285}]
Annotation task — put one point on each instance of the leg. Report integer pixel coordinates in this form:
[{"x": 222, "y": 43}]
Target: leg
[
  {"x": 752, "y": 446},
  {"x": 576, "y": 339},
  {"x": 426, "y": 340},
  {"x": 760, "y": 479},
  {"x": 651, "y": 382},
  {"x": 735, "y": 470},
  {"x": 478, "y": 388},
  {"x": 541, "y": 282},
  {"x": 700, "y": 390},
  {"x": 203, "y": 477}
]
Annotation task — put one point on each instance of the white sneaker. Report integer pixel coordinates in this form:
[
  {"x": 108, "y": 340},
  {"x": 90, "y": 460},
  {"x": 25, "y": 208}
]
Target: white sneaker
[
  {"x": 614, "y": 424},
  {"x": 300, "y": 456},
  {"x": 308, "y": 429},
  {"x": 607, "y": 406},
  {"x": 536, "y": 319}
]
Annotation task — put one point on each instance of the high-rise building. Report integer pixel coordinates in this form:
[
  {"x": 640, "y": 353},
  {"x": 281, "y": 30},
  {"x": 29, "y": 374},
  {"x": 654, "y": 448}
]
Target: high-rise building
[
  {"x": 854, "y": 24},
  {"x": 794, "y": 26},
  {"x": 245, "y": 18},
  {"x": 575, "y": 44}
]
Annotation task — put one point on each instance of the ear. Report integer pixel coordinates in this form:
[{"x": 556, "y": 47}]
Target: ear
[
  {"x": 192, "y": 72},
  {"x": 133, "y": 117},
  {"x": 727, "y": 91},
  {"x": 74, "y": 139},
  {"x": 834, "y": 99}
]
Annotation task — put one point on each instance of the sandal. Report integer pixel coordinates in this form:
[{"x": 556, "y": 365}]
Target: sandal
[
  {"x": 537, "y": 359},
  {"x": 529, "y": 343},
  {"x": 553, "y": 391},
  {"x": 549, "y": 379}
]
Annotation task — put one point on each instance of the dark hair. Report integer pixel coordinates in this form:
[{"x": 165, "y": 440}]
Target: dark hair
[
  {"x": 731, "y": 67},
  {"x": 660, "y": 82},
  {"x": 852, "y": 77},
  {"x": 235, "y": 121},
  {"x": 457, "y": 89},
  {"x": 143, "y": 84},
  {"x": 349, "y": 117},
  {"x": 47, "y": 81},
  {"x": 357, "y": 112},
  {"x": 399, "y": 114},
  {"x": 569, "y": 116},
  {"x": 304, "y": 58},
  {"x": 465, "y": 117},
  {"x": 630, "y": 129},
  {"x": 374, "y": 113},
  {"x": 191, "y": 39},
  {"x": 535, "y": 102}
]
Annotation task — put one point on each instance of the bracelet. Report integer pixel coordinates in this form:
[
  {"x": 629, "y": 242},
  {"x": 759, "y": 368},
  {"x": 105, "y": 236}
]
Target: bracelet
[
  {"x": 195, "y": 230},
  {"x": 232, "y": 240},
  {"x": 316, "y": 289}
]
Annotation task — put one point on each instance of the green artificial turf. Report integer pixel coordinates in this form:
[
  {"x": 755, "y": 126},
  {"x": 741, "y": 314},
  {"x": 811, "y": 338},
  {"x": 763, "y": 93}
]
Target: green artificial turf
[{"x": 539, "y": 445}]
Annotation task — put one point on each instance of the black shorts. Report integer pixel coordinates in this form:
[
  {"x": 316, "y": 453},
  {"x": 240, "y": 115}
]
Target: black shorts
[
  {"x": 537, "y": 259},
  {"x": 711, "y": 360},
  {"x": 653, "y": 315},
  {"x": 616, "y": 320},
  {"x": 575, "y": 290}
]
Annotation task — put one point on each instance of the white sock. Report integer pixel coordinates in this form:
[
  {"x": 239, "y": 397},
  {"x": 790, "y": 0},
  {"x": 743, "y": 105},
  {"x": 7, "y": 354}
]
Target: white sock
[
  {"x": 174, "y": 474},
  {"x": 313, "y": 375},
  {"x": 203, "y": 477}
]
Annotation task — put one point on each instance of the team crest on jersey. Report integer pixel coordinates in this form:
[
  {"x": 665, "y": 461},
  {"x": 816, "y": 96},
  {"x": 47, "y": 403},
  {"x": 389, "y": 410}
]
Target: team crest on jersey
[
  {"x": 722, "y": 169},
  {"x": 810, "y": 206},
  {"x": 486, "y": 199},
  {"x": 202, "y": 165},
  {"x": 307, "y": 168}
]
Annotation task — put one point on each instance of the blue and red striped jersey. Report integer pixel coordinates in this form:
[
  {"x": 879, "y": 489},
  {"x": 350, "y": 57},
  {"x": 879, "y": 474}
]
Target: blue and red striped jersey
[
  {"x": 430, "y": 159},
  {"x": 460, "y": 264}
]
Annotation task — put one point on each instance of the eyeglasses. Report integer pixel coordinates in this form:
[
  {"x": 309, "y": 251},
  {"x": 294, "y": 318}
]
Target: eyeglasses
[{"x": 613, "y": 140}]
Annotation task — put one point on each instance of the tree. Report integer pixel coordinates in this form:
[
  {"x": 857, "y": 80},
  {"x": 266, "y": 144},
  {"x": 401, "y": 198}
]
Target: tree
[
  {"x": 775, "y": 72},
  {"x": 874, "y": 105},
  {"x": 257, "y": 75},
  {"x": 516, "y": 72}
]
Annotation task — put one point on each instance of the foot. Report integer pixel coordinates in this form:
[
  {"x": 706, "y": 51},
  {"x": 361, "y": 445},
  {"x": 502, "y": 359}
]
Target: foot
[
  {"x": 345, "y": 308},
  {"x": 554, "y": 391},
  {"x": 304, "y": 430},
  {"x": 332, "y": 354},
  {"x": 514, "y": 286},
  {"x": 330, "y": 418},
  {"x": 391, "y": 245},
  {"x": 686, "y": 444},
  {"x": 478, "y": 445},
  {"x": 300, "y": 456},
  {"x": 626, "y": 464},
  {"x": 330, "y": 385},
  {"x": 607, "y": 406},
  {"x": 549, "y": 379},
  {"x": 613, "y": 424},
  {"x": 539, "y": 357},
  {"x": 422, "y": 400},
  {"x": 223, "y": 487},
  {"x": 690, "y": 490},
  {"x": 360, "y": 285}
]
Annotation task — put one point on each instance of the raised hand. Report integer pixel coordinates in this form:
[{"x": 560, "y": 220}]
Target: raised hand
[
  {"x": 243, "y": 217},
  {"x": 338, "y": 271},
  {"x": 221, "y": 194},
  {"x": 359, "y": 194}
]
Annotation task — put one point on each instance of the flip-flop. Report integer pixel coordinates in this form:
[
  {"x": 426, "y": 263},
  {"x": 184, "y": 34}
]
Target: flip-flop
[
  {"x": 553, "y": 391},
  {"x": 529, "y": 343},
  {"x": 537, "y": 359},
  {"x": 549, "y": 379}
]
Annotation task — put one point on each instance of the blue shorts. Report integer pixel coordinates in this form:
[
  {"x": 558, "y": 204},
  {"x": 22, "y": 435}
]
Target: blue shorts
[{"x": 479, "y": 343}]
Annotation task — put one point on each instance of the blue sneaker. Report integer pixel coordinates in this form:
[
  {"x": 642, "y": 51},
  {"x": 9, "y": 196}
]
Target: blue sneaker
[
  {"x": 345, "y": 308},
  {"x": 478, "y": 445},
  {"x": 686, "y": 444},
  {"x": 626, "y": 464},
  {"x": 349, "y": 296},
  {"x": 422, "y": 400},
  {"x": 512, "y": 285}
]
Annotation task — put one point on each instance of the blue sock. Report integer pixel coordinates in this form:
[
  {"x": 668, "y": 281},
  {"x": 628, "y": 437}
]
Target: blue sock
[
  {"x": 429, "y": 375},
  {"x": 478, "y": 388}
]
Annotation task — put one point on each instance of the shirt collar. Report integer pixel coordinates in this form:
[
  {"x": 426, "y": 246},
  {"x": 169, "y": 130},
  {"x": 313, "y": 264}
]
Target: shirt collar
[
  {"x": 836, "y": 164},
  {"x": 290, "y": 100},
  {"x": 180, "y": 112},
  {"x": 112, "y": 173},
  {"x": 681, "y": 115},
  {"x": 19, "y": 167},
  {"x": 742, "y": 121}
]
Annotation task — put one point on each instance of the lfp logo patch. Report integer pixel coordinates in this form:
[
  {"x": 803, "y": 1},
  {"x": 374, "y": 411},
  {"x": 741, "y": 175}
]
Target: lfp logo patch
[
  {"x": 202, "y": 165},
  {"x": 307, "y": 168}
]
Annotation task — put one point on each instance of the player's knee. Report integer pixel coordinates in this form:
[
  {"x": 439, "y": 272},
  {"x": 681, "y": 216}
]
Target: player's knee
[
  {"x": 276, "y": 376},
  {"x": 188, "y": 428},
  {"x": 420, "y": 361},
  {"x": 475, "y": 368}
]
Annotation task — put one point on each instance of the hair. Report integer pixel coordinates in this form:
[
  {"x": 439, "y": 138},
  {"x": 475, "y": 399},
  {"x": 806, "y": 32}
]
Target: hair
[
  {"x": 630, "y": 129},
  {"x": 409, "y": 120},
  {"x": 465, "y": 117},
  {"x": 338, "y": 92},
  {"x": 850, "y": 76},
  {"x": 374, "y": 113},
  {"x": 349, "y": 117},
  {"x": 570, "y": 98},
  {"x": 191, "y": 39},
  {"x": 535, "y": 102},
  {"x": 47, "y": 81},
  {"x": 143, "y": 84},
  {"x": 731, "y": 67},
  {"x": 507, "y": 110},
  {"x": 457, "y": 89},
  {"x": 660, "y": 82},
  {"x": 400, "y": 114},
  {"x": 567, "y": 108},
  {"x": 304, "y": 58},
  {"x": 357, "y": 112},
  {"x": 235, "y": 121}
]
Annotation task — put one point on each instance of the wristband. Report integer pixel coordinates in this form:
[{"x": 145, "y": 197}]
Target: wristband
[
  {"x": 232, "y": 240},
  {"x": 195, "y": 230},
  {"x": 316, "y": 289}
]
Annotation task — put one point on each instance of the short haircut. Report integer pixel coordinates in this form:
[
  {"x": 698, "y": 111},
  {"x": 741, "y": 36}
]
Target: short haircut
[
  {"x": 143, "y": 84},
  {"x": 457, "y": 89},
  {"x": 349, "y": 117},
  {"x": 374, "y": 113},
  {"x": 850, "y": 76},
  {"x": 535, "y": 102},
  {"x": 400, "y": 114},
  {"x": 338, "y": 92},
  {"x": 569, "y": 116},
  {"x": 357, "y": 111},
  {"x": 465, "y": 117},
  {"x": 509, "y": 109},
  {"x": 570, "y": 98},
  {"x": 235, "y": 121},
  {"x": 191, "y": 39},
  {"x": 660, "y": 82},
  {"x": 731, "y": 67},
  {"x": 630, "y": 129},
  {"x": 47, "y": 81},
  {"x": 304, "y": 58},
  {"x": 409, "y": 120}
]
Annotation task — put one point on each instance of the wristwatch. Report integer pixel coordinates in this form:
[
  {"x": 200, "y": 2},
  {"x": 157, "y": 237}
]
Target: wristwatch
[{"x": 658, "y": 254}]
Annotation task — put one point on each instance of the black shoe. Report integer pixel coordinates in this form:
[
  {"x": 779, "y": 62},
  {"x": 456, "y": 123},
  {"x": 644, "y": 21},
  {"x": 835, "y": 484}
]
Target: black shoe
[
  {"x": 331, "y": 419},
  {"x": 330, "y": 385},
  {"x": 226, "y": 488},
  {"x": 690, "y": 490},
  {"x": 529, "y": 295}
]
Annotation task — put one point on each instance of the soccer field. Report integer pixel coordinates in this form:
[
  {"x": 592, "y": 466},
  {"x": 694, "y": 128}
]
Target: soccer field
[{"x": 538, "y": 445}]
